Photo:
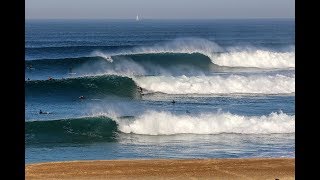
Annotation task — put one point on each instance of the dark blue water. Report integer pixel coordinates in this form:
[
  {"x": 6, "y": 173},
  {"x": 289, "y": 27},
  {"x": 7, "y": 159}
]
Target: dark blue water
[{"x": 232, "y": 83}]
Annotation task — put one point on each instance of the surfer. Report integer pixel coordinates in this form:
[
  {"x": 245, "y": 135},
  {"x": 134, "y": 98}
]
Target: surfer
[
  {"x": 140, "y": 90},
  {"x": 81, "y": 97},
  {"x": 188, "y": 112},
  {"x": 173, "y": 102},
  {"x": 41, "y": 112},
  {"x": 109, "y": 59},
  {"x": 28, "y": 79},
  {"x": 50, "y": 78},
  {"x": 71, "y": 71}
]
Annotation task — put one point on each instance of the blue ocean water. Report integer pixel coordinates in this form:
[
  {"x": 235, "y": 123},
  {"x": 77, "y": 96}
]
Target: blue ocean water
[{"x": 159, "y": 89}]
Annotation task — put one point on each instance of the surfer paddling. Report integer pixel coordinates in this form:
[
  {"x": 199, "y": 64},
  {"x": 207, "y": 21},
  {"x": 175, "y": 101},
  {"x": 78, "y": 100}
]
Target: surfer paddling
[
  {"x": 41, "y": 112},
  {"x": 30, "y": 67}
]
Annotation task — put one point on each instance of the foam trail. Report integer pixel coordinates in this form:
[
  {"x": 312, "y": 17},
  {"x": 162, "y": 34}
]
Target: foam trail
[
  {"x": 276, "y": 84},
  {"x": 235, "y": 57},
  {"x": 165, "y": 123}
]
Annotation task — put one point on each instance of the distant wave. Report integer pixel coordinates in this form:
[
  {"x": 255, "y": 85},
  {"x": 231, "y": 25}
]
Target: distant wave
[
  {"x": 135, "y": 64},
  {"x": 236, "y": 57},
  {"x": 103, "y": 128},
  {"x": 65, "y": 45},
  {"x": 231, "y": 57}
]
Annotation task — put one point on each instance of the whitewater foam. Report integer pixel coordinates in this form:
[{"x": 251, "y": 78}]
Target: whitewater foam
[
  {"x": 166, "y": 123},
  {"x": 255, "y": 58},
  {"x": 233, "y": 57},
  {"x": 254, "y": 84}
]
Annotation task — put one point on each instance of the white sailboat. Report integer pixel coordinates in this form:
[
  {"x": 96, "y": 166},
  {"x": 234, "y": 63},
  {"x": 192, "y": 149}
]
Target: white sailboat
[{"x": 137, "y": 18}]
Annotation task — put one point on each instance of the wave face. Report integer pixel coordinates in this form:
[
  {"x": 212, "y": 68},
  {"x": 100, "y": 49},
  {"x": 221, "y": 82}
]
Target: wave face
[
  {"x": 164, "y": 123},
  {"x": 278, "y": 84},
  {"x": 137, "y": 64},
  {"x": 81, "y": 130},
  {"x": 98, "y": 86}
]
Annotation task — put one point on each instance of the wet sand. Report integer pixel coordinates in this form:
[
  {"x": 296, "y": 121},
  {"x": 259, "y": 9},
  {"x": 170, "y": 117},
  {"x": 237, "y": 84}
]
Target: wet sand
[{"x": 266, "y": 168}]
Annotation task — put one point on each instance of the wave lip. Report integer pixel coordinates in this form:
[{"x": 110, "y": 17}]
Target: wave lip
[
  {"x": 165, "y": 123},
  {"x": 233, "y": 84}
]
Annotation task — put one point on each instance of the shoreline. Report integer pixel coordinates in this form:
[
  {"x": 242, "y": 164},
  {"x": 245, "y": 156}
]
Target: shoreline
[{"x": 237, "y": 168}]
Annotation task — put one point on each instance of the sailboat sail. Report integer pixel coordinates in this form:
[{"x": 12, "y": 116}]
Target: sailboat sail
[{"x": 137, "y": 18}]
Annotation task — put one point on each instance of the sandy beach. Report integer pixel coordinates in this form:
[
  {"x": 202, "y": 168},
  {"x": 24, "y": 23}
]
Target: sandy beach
[{"x": 267, "y": 168}]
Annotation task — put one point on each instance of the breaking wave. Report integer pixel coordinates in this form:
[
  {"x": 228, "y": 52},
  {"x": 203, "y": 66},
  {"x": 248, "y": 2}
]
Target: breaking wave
[
  {"x": 165, "y": 123},
  {"x": 232, "y": 84},
  {"x": 104, "y": 128}
]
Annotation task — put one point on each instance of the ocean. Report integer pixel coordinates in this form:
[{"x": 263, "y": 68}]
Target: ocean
[{"x": 126, "y": 89}]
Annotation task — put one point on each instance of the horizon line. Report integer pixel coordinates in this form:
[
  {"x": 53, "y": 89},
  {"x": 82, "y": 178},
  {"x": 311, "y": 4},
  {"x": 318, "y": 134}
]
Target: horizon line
[{"x": 160, "y": 18}]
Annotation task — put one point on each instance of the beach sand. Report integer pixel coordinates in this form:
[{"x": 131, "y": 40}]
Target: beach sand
[{"x": 267, "y": 168}]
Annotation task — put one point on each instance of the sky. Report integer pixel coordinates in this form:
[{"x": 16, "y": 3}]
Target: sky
[{"x": 159, "y": 9}]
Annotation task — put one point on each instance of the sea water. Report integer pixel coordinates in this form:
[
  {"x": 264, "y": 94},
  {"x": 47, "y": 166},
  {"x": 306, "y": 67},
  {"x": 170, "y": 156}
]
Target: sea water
[{"x": 159, "y": 89}]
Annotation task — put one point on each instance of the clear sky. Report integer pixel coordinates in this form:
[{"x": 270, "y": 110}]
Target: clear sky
[{"x": 159, "y": 9}]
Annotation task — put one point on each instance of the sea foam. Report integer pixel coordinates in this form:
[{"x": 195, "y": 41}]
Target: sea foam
[
  {"x": 166, "y": 123},
  {"x": 254, "y": 84}
]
